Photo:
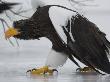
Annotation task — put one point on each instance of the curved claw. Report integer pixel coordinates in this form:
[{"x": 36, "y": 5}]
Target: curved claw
[
  {"x": 78, "y": 69},
  {"x": 34, "y": 69},
  {"x": 28, "y": 71},
  {"x": 55, "y": 70}
]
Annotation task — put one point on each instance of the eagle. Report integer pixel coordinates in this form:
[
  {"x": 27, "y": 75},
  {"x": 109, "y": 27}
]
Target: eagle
[{"x": 72, "y": 36}]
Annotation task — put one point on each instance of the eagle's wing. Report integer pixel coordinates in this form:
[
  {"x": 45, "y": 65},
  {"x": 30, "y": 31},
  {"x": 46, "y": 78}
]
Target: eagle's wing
[
  {"x": 87, "y": 42},
  {"x": 60, "y": 20},
  {"x": 91, "y": 44}
]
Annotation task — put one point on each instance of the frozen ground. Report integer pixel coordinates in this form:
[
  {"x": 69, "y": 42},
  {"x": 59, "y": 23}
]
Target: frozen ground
[{"x": 14, "y": 61}]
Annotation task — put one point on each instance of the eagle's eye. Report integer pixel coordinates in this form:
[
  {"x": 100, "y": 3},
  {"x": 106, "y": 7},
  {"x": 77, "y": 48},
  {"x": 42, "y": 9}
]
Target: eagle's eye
[{"x": 19, "y": 24}]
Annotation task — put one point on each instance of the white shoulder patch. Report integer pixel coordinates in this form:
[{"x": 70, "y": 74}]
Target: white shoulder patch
[{"x": 59, "y": 17}]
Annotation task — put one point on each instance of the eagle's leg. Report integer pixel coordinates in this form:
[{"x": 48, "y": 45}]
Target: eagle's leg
[
  {"x": 54, "y": 60},
  {"x": 42, "y": 70},
  {"x": 85, "y": 69}
]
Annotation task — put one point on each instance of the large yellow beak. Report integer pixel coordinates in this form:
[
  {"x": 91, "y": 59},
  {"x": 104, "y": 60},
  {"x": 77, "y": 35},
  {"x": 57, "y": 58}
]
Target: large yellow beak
[{"x": 11, "y": 32}]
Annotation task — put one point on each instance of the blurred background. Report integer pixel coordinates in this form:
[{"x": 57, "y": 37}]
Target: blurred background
[{"x": 15, "y": 61}]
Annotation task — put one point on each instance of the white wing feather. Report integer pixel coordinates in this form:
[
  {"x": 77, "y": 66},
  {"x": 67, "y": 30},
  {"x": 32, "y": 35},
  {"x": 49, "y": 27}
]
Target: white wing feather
[{"x": 59, "y": 17}]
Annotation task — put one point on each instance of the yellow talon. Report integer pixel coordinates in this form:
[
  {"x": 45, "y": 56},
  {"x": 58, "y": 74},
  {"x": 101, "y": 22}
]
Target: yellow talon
[
  {"x": 43, "y": 70},
  {"x": 85, "y": 69}
]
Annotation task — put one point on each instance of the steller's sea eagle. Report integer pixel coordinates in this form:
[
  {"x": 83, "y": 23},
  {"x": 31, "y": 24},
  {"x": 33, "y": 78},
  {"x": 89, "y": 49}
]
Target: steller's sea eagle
[{"x": 72, "y": 35}]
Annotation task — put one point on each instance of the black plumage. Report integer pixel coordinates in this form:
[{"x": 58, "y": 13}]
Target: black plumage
[{"x": 90, "y": 45}]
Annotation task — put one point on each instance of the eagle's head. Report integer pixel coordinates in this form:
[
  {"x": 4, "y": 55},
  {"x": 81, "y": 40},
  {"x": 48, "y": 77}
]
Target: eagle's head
[{"x": 24, "y": 29}]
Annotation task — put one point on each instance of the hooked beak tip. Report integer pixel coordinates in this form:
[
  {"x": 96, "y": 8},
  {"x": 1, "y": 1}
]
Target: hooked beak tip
[{"x": 11, "y": 32}]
